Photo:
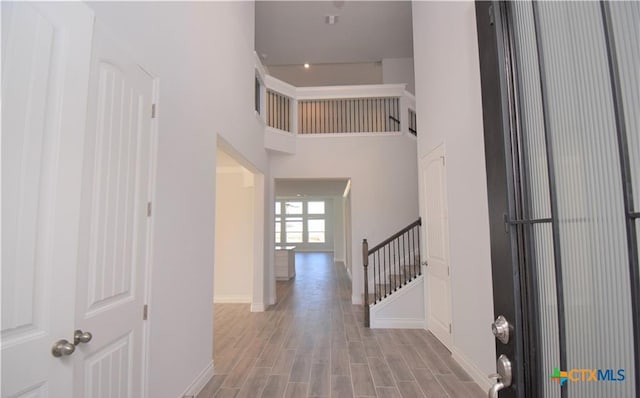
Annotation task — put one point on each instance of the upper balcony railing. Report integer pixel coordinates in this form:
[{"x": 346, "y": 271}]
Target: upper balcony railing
[{"x": 365, "y": 109}]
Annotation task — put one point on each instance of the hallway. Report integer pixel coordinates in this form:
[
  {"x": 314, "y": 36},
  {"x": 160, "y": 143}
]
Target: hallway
[{"x": 312, "y": 344}]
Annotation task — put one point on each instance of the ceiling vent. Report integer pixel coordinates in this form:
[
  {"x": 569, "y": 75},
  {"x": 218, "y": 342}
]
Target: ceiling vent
[{"x": 331, "y": 19}]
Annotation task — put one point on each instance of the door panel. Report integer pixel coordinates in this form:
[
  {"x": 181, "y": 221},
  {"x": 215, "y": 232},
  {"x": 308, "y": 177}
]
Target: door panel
[
  {"x": 45, "y": 67},
  {"x": 114, "y": 236},
  {"x": 434, "y": 207},
  {"x": 27, "y": 147},
  {"x": 103, "y": 367}
]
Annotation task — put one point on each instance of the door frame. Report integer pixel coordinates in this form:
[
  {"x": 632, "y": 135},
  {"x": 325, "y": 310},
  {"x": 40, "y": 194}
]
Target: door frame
[
  {"x": 148, "y": 269},
  {"x": 498, "y": 119}
]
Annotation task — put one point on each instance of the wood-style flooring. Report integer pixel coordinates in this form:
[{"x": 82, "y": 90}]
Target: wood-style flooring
[{"x": 312, "y": 343}]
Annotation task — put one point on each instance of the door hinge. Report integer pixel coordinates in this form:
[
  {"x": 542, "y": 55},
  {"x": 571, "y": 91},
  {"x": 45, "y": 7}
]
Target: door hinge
[
  {"x": 448, "y": 272},
  {"x": 148, "y": 209},
  {"x": 153, "y": 111},
  {"x": 442, "y": 157},
  {"x": 449, "y": 328},
  {"x": 145, "y": 312}
]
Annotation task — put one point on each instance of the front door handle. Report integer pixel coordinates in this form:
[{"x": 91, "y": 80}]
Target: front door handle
[
  {"x": 503, "y": 377},
  {"x": 493, "y": 391}
]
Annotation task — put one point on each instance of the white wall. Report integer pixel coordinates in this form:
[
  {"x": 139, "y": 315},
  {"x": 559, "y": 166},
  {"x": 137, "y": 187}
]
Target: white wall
[
  {"x": 449, "y": 110},
  {"x": 384, "y": 183},
  {"x": 399, "y": 70},
  {"x": 233, "y": 270},
  {"x": 328, "y": 74},
  {"x": 206, "y": 88}
]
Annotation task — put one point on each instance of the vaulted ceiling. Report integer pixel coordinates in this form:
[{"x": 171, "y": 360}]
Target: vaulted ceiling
[{"x": 295, "y": 32}]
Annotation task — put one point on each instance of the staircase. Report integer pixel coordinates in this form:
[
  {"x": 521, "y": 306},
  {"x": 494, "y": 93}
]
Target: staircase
[{"x": 393, "y": 280}]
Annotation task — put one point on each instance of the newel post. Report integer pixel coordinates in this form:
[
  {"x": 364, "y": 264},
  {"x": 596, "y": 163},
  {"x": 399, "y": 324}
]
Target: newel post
[{"x": 365, "y": 263}]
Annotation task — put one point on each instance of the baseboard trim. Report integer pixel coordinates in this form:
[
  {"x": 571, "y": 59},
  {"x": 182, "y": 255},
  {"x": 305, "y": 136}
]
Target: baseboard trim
[
  {"x": 200, "y": 381},
  {"x": 476, "y": 374},
  {"x": 232, "y": 299},
  {"x": 397, "y": 323},
  {"x": 257, "y": 307}
]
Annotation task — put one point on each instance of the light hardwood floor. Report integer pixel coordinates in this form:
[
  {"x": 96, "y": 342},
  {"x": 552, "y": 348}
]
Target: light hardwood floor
[{"x": 312, "y": 343}]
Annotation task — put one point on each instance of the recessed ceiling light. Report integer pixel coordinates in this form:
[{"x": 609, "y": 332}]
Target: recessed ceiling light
[
  {"x": 306, "y": 66},
  {"x": 331, "y": 19}
]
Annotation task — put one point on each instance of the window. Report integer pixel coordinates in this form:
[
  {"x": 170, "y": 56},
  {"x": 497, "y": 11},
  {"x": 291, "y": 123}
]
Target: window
[
  {"x": 315, "y": 207},
  {"x": 300, "y": 221},
  {"x": 316, "y": 231},
  {"x": 293, "y": 207}
]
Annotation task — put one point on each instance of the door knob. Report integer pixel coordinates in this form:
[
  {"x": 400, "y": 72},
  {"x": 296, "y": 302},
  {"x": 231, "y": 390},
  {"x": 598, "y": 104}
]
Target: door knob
[
  {"x": 81, "y": 337},
  {"x": 62, "y": 348},
  {"x": 503, "y": 377}
]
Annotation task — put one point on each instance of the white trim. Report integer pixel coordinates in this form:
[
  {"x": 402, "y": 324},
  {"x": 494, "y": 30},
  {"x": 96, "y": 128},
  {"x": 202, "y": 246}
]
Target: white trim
[
  {"x": 146, "y": 325},
  {"x": 232, "y": 298},
  {"x": 356, "y": 299},
  {"x": 281, "y": 87},
  {"x": 278, "y": 131},
  {"x": 411, "y": 99},
  {"x": 198, "y": 384},
  {"x": 257, "y": 307},
  {"x": 356, "y": 91},
  {"x": 397, "y": 323},
  {"x": 468, "y": 366},
  {"x": 262, "y": 72}
]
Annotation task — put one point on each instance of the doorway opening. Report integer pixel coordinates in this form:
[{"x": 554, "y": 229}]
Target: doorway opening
[
  {"x": 239, "y": 234},
  {"x": 311, "y": 216}
]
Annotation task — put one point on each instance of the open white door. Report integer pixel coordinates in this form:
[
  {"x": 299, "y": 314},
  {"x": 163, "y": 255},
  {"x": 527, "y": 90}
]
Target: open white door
[
  {"x": 114, "y": 224},
  {"x": 45, "y": 67},
  {"x": 436, "y": 238}
]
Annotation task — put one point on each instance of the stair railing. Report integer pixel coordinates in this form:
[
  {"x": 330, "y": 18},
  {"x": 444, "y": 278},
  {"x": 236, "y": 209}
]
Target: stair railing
[{"x": 394, "y": 263}]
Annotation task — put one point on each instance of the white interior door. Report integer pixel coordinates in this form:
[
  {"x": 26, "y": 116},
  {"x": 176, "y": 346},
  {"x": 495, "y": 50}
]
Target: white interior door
[
  {"x": 45, "y": 67},
  {"x": 436, "y": 239},
  {"x": 114, "y": 224}
]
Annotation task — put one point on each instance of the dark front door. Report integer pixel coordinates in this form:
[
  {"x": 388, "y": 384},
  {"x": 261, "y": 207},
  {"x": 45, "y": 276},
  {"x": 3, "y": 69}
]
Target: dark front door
[{"x": 561, "y": 106}]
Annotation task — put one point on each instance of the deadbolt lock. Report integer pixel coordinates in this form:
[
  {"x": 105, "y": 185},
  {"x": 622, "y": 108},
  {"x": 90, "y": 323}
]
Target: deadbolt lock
[{"x": 500, "y": 329}]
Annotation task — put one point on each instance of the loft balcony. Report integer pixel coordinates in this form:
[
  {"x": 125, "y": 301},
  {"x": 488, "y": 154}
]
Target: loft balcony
[{"x": 290, "y": 113}]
